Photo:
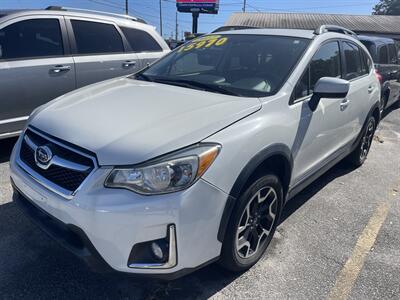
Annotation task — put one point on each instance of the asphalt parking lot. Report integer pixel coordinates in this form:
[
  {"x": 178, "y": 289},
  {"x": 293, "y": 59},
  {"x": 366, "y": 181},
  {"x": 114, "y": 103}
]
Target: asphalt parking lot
[{"x": 340, "y": 238}]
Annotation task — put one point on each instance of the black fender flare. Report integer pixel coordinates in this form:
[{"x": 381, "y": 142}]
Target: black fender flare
[
  {"x": 245, "y": 174},
  {"x": 370, "y": 114},
  {"x": 385, "y": 88}
]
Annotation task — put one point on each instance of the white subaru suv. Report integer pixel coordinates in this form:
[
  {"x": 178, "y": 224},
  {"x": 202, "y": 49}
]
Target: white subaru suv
[{"x": 192, "y": 159}]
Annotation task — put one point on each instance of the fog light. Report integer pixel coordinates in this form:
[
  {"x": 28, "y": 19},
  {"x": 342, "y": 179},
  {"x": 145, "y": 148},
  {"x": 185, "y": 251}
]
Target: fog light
[
  {"x": 155, "y": 254},
  {"x": 157, "y": 251}
]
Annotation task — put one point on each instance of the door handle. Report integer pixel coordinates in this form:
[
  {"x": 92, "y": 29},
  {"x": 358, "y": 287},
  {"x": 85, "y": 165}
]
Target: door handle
[
  {"x": 370, "y": 89},
  {"x": 344, "y": 104},
  {"x": 59, "y": 68},
  {"x": 128, "y": 63}
]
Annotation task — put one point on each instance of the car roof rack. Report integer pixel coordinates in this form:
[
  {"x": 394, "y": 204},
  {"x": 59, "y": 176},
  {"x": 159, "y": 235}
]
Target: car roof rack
[
  {"x": 232, "y": 27},
  {"x": 334, "y": 28},
  {"x": 73, "y": 9}
]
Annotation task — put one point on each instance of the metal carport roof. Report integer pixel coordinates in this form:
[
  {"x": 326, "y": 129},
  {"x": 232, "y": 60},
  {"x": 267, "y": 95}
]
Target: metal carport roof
[{"x": 370, "y": 24}]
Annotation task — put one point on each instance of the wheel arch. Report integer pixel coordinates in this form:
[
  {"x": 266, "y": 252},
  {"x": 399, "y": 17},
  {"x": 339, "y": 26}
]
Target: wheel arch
[
  {"x": 373, "y": 112},
  {"x": 385, "y": 94},
  {"x": 376, "y": 114},
  {"x": 277, "y": 159}
]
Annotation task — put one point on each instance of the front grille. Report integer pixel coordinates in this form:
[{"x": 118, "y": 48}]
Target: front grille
[{"x": 64, "y": 175}]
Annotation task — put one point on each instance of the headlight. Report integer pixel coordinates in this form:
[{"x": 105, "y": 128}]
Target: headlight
[{"x": 168, "y": 174}]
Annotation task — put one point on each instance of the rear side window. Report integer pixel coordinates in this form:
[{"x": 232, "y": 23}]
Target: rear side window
[
  {"x": 383, "y": 55},
  {"x": 31, "y": 39},
  {"x": 325, "y": 63},
  {"x": 392, "y": 54},
  {"x": 96, "y": 38},
  {"x": 140, "y": 40},
  {"x": 354, "y": 65},
  {"x": 365, "y": 63}
]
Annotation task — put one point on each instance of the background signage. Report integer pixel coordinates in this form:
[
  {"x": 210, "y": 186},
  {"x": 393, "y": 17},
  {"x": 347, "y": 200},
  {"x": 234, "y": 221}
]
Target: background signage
[{"x": 199, "y": 6}]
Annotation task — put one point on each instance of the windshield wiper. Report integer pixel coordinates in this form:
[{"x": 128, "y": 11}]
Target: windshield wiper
[{"x": 196, "y": 85}]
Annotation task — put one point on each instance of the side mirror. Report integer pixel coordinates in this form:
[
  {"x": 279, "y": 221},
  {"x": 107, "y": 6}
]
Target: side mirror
[{"x": 328, "y": 87}]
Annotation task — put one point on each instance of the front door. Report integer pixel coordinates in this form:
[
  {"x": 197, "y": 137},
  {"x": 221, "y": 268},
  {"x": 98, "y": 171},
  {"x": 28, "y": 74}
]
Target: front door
[
  {"x": 321, "y": 134},
  {"x": 33, "y": 68}
]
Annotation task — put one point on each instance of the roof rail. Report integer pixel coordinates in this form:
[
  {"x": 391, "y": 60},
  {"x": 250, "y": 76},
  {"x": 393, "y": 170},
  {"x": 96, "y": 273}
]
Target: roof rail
[
  {"x": 233, "y": 27},
  {"x": 62, "y": 8},
  {"x": 334, "y": 28}
]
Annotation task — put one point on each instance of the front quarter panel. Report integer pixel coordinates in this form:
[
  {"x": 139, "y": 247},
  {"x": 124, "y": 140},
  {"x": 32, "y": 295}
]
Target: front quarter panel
[{"x": 274, "y": 125}]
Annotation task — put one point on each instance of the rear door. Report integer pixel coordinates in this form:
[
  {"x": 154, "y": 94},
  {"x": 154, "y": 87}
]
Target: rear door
[
  {"x": 99, "y": 51},
  {"x": 357, "y": 70},
  {"x": 35, "y": 67},
  {"x": 143, "y": 44}
]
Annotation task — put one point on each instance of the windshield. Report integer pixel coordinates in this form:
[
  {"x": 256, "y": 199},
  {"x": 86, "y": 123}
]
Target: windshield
[{"x": 241, "y": 65}]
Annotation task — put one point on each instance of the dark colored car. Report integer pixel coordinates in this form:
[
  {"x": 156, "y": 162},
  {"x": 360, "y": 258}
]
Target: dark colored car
[{"x": 386, "y": 59}]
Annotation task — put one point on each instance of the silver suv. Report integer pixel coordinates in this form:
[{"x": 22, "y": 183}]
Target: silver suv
[
  {"x": 47, "y": 53},
  {"x": 193, "y": 159}
]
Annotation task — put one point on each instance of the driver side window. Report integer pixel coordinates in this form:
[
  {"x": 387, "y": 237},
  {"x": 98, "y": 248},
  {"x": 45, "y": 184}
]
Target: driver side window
[{"x": 325, "y": 63}]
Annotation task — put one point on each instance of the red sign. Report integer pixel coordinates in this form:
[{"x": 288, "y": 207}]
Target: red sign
[{"x": 197, "y": 1}]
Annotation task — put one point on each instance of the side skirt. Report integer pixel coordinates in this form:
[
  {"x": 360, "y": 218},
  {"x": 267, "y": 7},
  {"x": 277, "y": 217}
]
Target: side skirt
[{"x": 314, "y": 176}]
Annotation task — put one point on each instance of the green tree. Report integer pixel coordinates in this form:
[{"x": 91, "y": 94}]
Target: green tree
[{"x": 387, "y": 7}]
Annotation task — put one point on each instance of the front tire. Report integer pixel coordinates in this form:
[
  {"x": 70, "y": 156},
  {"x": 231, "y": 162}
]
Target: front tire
[
  {"x": 252, "y": 224},
  {"x": 359, "y": 155}
]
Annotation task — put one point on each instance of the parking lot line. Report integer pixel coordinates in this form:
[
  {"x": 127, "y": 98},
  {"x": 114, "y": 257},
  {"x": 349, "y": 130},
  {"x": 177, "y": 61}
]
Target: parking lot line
[{"x": 350, "y": 271}]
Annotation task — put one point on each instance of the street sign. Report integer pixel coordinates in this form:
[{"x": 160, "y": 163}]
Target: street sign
[{"x": 198, "y": 6}]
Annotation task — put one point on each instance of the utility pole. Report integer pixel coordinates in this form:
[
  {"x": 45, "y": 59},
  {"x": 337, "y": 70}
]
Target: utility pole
[
  {"x": 160, "y": 18},
  {"x": 176, "y": 26},
  {"x": 126, "y": 7},
  {"x": 244, "y": 5},
  {"x": 195, "y": 17}
]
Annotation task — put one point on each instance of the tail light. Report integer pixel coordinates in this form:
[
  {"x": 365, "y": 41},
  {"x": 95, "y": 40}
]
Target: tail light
[{"x": 379, "y": 76}]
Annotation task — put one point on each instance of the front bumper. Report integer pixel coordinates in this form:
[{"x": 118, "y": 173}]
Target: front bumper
[
  {"x": 107, "y": 223},
  {"x": 69, "y": 236}
]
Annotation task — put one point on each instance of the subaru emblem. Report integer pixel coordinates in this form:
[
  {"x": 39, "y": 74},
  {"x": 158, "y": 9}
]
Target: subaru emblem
[{"x": 43, "y": 156}]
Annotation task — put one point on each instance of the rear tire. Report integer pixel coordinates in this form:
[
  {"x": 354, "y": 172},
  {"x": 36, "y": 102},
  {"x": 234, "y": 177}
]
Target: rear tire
[
  {"x": 359, "y": 155},
  {"x": 382, "y": 105},
  {"x": 252, "y": 224}
]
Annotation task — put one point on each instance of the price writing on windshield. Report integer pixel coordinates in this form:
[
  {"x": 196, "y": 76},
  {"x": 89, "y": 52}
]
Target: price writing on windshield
[{"x": 205, "y": 42}]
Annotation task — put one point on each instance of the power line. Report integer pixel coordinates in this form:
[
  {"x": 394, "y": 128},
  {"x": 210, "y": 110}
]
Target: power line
[{"x": 160, "y": 18}]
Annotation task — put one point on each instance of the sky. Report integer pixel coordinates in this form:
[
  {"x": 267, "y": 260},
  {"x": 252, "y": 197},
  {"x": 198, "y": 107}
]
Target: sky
[{"x": 149, "y": 10}]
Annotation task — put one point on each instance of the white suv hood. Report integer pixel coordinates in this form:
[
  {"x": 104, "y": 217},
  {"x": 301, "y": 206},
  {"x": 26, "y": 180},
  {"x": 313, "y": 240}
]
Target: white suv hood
[{"x": 125, "y": 121}]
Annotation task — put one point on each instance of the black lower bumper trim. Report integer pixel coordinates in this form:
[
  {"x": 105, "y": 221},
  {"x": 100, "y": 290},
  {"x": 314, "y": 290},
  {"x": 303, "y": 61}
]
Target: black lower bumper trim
[
  {"x": 69, "y": 236},
  {"x": 76, "y": 241}
]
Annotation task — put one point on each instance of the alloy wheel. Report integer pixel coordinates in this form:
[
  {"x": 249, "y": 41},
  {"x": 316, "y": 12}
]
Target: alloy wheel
[
  {"x": 256, "y": 222},
  {"x": 367, "y": 139}
]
